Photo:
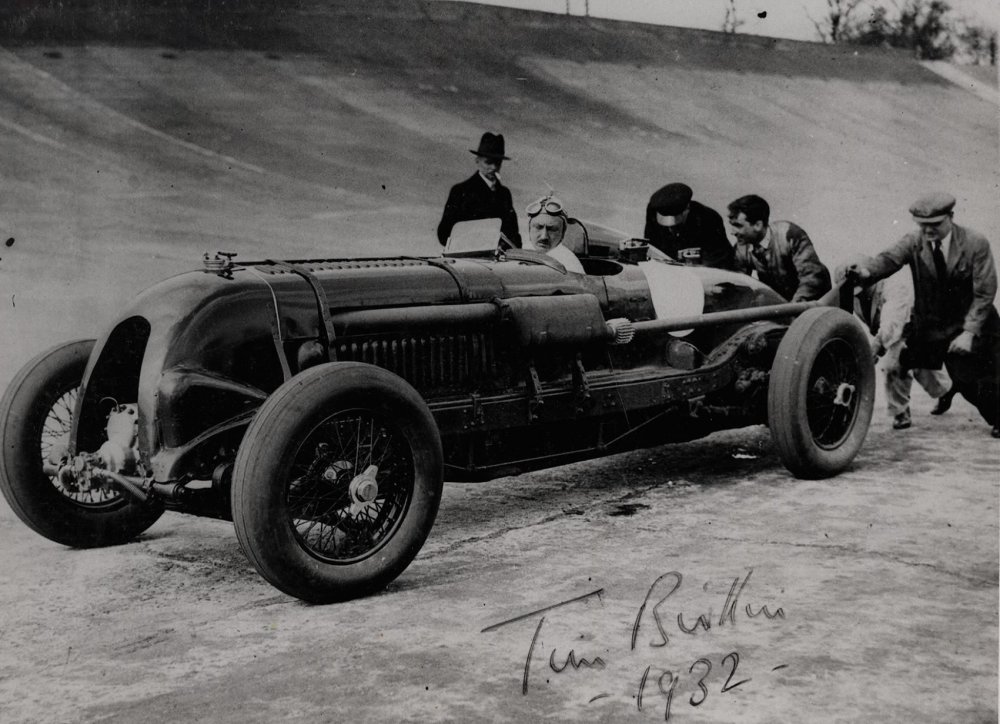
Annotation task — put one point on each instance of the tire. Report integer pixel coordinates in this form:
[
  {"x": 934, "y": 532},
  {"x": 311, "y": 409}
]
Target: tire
[
  {"x": 301, "y": 512},
  {"x": 821, "y": 392},
  {"x": 35, "y": 412}
]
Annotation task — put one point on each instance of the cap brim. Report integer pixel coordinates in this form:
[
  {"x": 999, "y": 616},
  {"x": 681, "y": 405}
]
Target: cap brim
[
  {"x": 930, "y": 219},
  {"x": 491, "y": 156},
  {"x": 666, "y": 220}
]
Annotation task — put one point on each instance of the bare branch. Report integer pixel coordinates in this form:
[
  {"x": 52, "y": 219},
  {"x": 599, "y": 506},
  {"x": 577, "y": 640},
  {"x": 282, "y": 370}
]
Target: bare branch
[{"x": 731, "y": 23}]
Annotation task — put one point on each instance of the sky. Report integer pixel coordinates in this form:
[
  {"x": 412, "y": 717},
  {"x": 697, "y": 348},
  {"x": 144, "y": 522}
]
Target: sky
[{"x": 784, "y": 18}]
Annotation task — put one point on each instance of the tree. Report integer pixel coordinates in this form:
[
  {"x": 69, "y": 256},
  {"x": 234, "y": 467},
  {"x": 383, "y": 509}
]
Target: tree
[
  {"x": 922, "y": 26},
  {"x": 978, "y": 44},
  {"x": 837, "y": 21},
  {"x": 926, "y": 30},
  {"x": 731, "y": 23}
]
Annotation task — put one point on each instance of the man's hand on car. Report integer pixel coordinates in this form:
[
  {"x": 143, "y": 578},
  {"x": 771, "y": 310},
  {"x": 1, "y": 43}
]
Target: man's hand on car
[
  {"x": 962, "y": 344},
  {"x": 854, "y": 272}
]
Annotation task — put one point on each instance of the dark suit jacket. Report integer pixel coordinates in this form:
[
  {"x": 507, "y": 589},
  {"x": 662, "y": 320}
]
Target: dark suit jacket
[
  {"x": 700, "y": 240},
  {"x": 789, "y": 265},
  {"x": 943, "y": 308},
  {"x": 472, "y": 199}
]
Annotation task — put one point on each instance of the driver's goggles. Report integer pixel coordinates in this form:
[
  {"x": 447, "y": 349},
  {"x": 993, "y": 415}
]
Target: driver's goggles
[{"x": 546, "y": 204}]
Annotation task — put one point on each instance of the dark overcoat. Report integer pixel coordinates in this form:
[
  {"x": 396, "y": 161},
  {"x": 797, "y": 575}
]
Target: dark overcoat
[{"x": 473, "y": 199}]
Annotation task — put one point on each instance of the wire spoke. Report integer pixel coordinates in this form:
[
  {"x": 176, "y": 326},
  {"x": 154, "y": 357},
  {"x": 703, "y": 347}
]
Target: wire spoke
[
  {"x": 330, "y": 517},
  {"x": 831, "y": 402},
  {"x": 55, "y": 430}
]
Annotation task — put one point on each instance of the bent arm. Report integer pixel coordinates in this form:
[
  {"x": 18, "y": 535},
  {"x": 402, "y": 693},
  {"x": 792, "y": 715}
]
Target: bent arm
[
  {"x": 814, "y": 277},
  {"x": 984, "y": 288},
  {"x": 450, "y": 216},
  {"x": 890, "y": 261},
  {"x": 508, "y": 222}
]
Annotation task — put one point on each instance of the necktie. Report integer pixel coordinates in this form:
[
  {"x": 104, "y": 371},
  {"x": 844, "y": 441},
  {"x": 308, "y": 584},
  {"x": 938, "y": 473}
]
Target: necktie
[{"x": 939, "y": 264}]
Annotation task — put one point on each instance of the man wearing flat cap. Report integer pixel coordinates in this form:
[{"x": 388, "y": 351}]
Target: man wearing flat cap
[
  {"x": 685, "y": 230},
  {"x": 954, "y": 321},
  {"x": 482, "y": 196}
]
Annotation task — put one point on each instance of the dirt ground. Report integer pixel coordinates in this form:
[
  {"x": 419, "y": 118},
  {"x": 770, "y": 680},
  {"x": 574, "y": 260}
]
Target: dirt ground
[
  {"x": 572, "y": 594},
  {"x": 885, "y": 579}
]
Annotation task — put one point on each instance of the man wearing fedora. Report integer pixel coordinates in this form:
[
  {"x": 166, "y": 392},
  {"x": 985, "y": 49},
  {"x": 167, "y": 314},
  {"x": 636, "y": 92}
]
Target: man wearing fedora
[
  {"x": 482, "y": 196},
  {"x": 685, "y": 230},
  {"x": 954, "y": 321}
]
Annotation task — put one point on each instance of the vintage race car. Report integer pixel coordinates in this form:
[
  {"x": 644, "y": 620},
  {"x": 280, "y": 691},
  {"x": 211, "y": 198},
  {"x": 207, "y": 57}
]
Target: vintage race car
[{"x": 319, "y": 404}]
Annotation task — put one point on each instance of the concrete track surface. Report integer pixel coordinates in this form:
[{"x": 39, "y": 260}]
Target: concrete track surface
[{"x": 324, "y": 129}]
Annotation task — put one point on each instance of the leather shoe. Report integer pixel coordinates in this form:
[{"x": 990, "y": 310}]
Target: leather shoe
[
  {"x": 995, "y": 432},
  {"x": 944, "y": 402},
  {"x": 902, "y": 420}
]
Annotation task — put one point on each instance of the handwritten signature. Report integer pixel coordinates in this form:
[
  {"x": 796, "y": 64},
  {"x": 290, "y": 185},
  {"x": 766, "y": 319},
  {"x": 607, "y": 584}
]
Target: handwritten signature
[
  {"x": 703, "y": 620},
  {"x": 652, "y": 616}
]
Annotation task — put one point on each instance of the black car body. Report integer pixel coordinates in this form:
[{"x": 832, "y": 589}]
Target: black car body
[{"x": 320, "y": 403}]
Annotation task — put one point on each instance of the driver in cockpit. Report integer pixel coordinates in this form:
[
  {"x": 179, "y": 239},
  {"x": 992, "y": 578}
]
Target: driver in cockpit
[{"x": 547, "y": 221}]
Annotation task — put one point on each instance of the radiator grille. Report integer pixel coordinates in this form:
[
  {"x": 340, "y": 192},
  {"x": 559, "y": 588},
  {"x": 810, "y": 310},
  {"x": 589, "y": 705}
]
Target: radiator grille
[{"x": 448, "y": 360}]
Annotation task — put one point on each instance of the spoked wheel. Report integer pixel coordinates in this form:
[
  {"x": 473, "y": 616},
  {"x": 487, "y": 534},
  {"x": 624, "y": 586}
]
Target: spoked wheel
[
  {"x": 337, "y": 482},
  {"x": 350, "y": 487},
  {"x": 831, "y": 394},
  {"x": 36, "y": 416},
  {"x": 54, "y": 442},
  {"x": 821, "y": 393}
]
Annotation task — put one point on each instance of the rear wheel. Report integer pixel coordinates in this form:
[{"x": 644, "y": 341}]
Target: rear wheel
[
  {"x": 36, "y": 415},
  {"x": 337, "y": 482},
  {"x": 821, "y": 393}
]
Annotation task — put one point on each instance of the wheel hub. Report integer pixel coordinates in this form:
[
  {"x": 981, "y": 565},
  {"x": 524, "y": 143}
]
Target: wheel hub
[
  {"x": 844, "y": 395},
  {"x": 364, "y": 489},
  {"x": 85, "y": 472}
]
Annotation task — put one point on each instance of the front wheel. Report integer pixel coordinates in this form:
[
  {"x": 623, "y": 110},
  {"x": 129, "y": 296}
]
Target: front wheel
[
  {"x": 36, "y": 415},
  {"x": 821, "y": 393},
  {"x": 337, "y": 482}
]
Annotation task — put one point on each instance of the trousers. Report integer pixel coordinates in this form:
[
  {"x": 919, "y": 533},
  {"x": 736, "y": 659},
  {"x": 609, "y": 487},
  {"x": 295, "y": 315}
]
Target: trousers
[
  {"x": 977, "y": 377},
  {"x": 899, "y": 380}
]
